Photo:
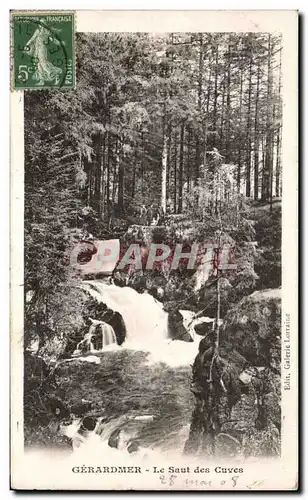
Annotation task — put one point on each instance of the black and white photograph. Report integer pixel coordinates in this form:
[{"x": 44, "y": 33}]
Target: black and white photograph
[{"x": 153, "y": 199}]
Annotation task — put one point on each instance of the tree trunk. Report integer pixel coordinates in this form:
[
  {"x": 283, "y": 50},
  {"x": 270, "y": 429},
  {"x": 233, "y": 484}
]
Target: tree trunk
[
  {"x": 268, "y": 142},
  {"x": 175, "y": 171},
  {"x": 102, "y": 190},
  {"x": 239, "y": 168},
  {"x": 108, "y": 173},
  {"x": 222, "y": 119},
  {"x": 168, "y": 165},
  {"x": 272, "y": 162},
  {"x": 198, "y": 158},
  {"x": 263, "y": 167},
  {"x": 209, "y": 90},
  {"x": 200, "y": 71},
  {"x": 98, "y": 171},
  {"x": 228, "y": 107},
  {"x": 88, "y": 168},
  {"x": 164, "y": 169},
  {"x": 115, "y": 173},
  {"x": 278, "y": 143},
  {"x": 215, "y": 96},
  {"x": 200, "y": 84},
  {"x": 248, "y": 151},
  {"x": 180, "y": 205},
  {"x": 256, "y": 139},
  {"x": 120, "y": 178},
  {"x": 142, "y": 163},
  {"x": 278, "y": 166},
  {"x": 135, "y": 166},
  {"x": 188, "y": 170}
]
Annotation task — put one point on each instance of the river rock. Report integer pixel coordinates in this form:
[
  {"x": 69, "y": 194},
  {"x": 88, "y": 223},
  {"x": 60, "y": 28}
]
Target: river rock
[
  {"x": 203, "y": 328},
  {"x": 253, "y": 327},
  {"x": 176, "y": 329}
]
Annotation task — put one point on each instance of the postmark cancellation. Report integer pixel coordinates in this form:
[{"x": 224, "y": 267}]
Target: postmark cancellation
[{"x": 42, "y": 50}]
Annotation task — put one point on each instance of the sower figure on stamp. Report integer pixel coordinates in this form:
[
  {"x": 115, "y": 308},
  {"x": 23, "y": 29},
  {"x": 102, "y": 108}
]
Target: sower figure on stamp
[{"x": 37, "y": 48}]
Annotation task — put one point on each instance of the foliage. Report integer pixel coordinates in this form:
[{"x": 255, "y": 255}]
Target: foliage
[
  {"x": 209, "y": 105},
  {"x": 268, "y": 235}
]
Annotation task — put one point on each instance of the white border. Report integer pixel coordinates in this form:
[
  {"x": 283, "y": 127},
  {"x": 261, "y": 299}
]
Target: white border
[{"x": 117, "y": 4}]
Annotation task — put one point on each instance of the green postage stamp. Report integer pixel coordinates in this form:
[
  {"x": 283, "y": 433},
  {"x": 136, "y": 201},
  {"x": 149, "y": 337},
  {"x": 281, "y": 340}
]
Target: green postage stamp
[{"x": 42, "y": 49}]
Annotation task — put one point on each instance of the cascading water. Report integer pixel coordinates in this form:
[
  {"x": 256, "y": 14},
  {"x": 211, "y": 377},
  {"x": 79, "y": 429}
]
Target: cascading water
[
  {"x": 108, "y": 335},
  {"x": 146, "y": 329},
  {"x": 92, "y": 342},
  {"x": 143, "y": 315},
  {"x": 86, "y": 343},
  {"x": 146, "y": 323}
]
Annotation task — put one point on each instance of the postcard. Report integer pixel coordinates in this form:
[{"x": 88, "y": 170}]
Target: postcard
[{"x": 154, "y": 250}]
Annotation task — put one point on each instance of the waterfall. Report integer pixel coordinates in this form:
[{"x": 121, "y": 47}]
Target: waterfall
[
  {"x": 108, "y": 335},
  {"x": 146, "y": 323},
  {"x": 86, "y": 342},
  {"x": 92, "y": 342},
  {"x": 144, "y": 317}
]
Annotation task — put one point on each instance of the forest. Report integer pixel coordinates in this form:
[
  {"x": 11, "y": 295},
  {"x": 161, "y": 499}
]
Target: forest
[
  {"x": 188, "y": 124},
  {"x": 149, "y": 113}
]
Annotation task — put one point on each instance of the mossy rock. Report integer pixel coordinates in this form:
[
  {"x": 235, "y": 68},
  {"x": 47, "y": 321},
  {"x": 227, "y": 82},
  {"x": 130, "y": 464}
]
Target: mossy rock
[{"x": 253, "y": 327}]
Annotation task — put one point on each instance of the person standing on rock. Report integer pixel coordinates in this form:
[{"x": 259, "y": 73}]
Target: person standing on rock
[
  {"x": 143, "y": 215},
  {"x": 160, "y": 216},
  {"x": 149, "y": 215}
]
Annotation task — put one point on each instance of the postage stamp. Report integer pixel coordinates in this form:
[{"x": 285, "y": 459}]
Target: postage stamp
[
  {"x": 42, "y": 49},
  {"x": 154, "y": 243}
]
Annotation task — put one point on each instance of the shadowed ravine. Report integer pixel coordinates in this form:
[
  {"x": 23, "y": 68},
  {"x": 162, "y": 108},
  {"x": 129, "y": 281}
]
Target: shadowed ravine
[
  {"x": 148, "y": 375},
  {"x": 124, "y": 384}
]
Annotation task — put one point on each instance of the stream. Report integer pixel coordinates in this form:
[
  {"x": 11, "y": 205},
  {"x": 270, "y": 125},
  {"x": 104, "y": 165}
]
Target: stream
[
  {"x": 156, "y": 372},
  {"x": 146, "y": 324}
]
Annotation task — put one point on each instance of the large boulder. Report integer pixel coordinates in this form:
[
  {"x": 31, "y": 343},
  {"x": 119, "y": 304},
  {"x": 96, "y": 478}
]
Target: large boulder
[
  {"x": 176, "y": 329},
  {"x": 246, "y": 381},
  {"x": 253, "y": 327}
]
